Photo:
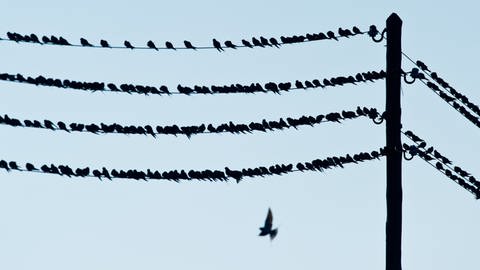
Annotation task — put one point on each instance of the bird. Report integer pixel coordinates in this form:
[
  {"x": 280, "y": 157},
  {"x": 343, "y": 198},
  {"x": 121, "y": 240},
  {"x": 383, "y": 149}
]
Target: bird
[
  {"x": 246, "y": 43},
  {"x": 265, "y": 41},
  {"x": 356, "y": 31},
  {"x": 151, "y": 45},
  {"x": 257, "y": 42},
  {"x": 85, "y": 42},
  {"x": 188, "y": 45},
  {"x": 331, "y": 35},
  {"x": 169, "y": 45},
  {"x": 128, "y": 44},
  {"x": 104, "y": 43},
  {"x": 267, "y": 227},
  {"x": 274, "y": 42},
  {"x": 217, "y": 45},
  {"x": 229, "y": 44}
]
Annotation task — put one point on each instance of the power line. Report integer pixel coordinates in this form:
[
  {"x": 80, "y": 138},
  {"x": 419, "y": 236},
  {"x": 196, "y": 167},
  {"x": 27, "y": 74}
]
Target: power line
[
  {"x": 262, "y": 126},
  {"x": 254, "y": 42},
  {"x": 203, "y": 175},
  {"x": 443, "y": 164},
  {"x": 434, "y": 76},
  {"x": 132, "y": 88}
]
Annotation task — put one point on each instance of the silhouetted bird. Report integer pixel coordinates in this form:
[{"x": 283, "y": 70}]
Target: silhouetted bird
[
  {"x": 63, "y": 41},
  {"x": 274, "y": 42},
  {"x": 151, "y": 45},
  {"x": 85, "y": 42},
  {"x": 188, "y": 45},
  {"x": 257, "y": 42},
  {"x": 30, "y": 167},
  {"x": 267, "y": 227},
  {"x": 422, "y": 65},
  {"x": 104, "y": 43},
  {"x": 217, "y": 45},
  {"x": 34, "y": 38},
  {"x": 264, "y": 41},
  {"x": 45, "y": 39},
  {"x": 169, "y": 45},
  {"x": 372, "y": 31},
  {"x": 331, "y": 35},
  {"x": 128, "y": 44},
  {"x": 246, "y": 43},
  {"x": 356, "y": 31},
  {"x": 229, "y": 44}
]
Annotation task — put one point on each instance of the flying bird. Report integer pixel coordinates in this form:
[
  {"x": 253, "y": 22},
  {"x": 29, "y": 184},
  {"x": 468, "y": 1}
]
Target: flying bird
[{"x": 267, "y": 228}]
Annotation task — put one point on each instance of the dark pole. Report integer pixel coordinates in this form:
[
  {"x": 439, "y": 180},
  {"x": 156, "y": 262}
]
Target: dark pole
[{"x": 394, "y": 145}]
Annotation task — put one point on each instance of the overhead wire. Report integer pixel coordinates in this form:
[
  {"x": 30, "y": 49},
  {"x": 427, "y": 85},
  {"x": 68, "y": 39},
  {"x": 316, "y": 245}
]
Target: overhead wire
[
  {"x": 260, "y": 42},
  {"x": 132, "y": 88},
  {"x": 152, "y": 130},
  {"x": 443, "y": 164},
  {"x": 203, "y": 175}
]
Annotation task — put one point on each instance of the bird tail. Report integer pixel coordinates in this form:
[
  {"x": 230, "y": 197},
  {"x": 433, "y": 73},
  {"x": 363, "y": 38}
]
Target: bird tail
[{"x": 273, "y": 233}]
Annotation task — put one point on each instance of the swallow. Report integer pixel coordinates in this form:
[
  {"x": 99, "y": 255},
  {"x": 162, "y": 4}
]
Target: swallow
[
  {"x": 257, "y": 42},
  {"x": 267, "y": 227},
  {"x": 45, "y": 40},
  {"x": 128, "y": 44},
  {"x": 188, "y": 45},
  {"x": 265, "y": 41},
  {"x": 331, "y": 35},
  {"x": 169, "y": 45},
  {"x": 104, "y": 43},
  {"x": 246, "y": 43},
  {"x": 229, "y": 44},
  {"x": 217, "y": 45},
  {"x": 274, "y": 42},
  {"x": 151, "y": 45},
  {"x": 356, "y": 31},
  {"x": 85, "y": 43}
]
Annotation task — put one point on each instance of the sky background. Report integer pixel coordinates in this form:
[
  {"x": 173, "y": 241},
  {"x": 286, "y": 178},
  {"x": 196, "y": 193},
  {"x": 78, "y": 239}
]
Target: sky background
[{"x": 331, "y": 220}]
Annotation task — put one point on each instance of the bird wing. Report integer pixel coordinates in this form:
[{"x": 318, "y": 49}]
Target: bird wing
[{"x": 269, "y": 219}]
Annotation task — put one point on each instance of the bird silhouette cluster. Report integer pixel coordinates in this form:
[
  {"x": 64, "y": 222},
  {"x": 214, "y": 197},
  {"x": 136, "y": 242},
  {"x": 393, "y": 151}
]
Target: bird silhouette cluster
[
  {"x": 452, "y": 102},
  {"x": 259, "y": 42},
  {"x": 130, "y": 88},
  {"x": 203, "y": 175},
  {"x": 457, "y": 95},
  {"x": 262, "y": 126},
  {"x": 442, "y": 164}
]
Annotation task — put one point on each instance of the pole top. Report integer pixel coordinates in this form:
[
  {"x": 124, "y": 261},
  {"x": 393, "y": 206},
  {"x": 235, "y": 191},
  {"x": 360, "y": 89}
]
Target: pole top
[{"x": 394, "y": 18}]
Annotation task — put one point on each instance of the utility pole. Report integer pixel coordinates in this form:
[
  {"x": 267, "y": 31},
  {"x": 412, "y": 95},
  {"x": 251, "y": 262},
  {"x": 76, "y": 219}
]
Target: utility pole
[{"x": 394, "y": 146}]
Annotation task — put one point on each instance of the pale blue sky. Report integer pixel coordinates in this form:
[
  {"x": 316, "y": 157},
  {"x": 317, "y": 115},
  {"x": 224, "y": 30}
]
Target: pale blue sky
[{"x": 331, "y": 220}]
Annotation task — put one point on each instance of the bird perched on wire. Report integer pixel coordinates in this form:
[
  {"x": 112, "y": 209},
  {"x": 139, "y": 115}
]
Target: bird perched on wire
[
  {"x": 189, "y": 45},
  {"x": 151, "y": 45},
  {"x": 267, "y": 227},
  {"x": 169, "y": 45},
  {"x": 128, "y": 44},
  {"x": 217, "y": 45},
  {"x": 104, "y": 43},
  {"x": 85, "y": 43}
]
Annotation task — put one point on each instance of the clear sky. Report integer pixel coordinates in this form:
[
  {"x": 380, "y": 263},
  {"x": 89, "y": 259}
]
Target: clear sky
[{"x": 331, "y": 220}]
